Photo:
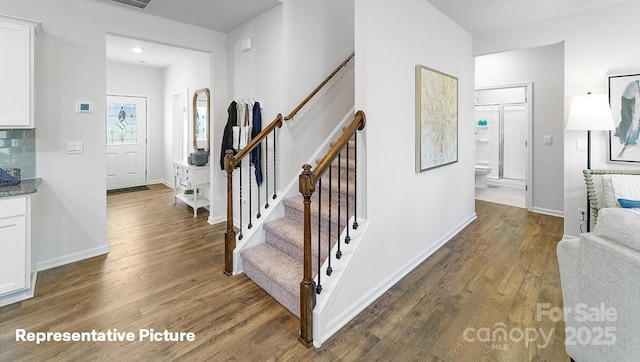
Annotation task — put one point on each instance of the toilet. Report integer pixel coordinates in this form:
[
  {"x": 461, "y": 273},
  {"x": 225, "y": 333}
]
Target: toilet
[{"x": 481, "y": 175}]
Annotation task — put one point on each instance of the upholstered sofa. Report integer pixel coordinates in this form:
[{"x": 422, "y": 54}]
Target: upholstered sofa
[
  {"x": 606, "y": 187},
  {"x": 600, "y": 276}
]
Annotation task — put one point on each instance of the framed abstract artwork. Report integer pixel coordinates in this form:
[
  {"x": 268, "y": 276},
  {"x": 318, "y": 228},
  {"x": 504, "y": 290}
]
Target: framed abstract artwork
[
  {"x": 624, "y": 99},
  {"x": 436, "y": 118}
]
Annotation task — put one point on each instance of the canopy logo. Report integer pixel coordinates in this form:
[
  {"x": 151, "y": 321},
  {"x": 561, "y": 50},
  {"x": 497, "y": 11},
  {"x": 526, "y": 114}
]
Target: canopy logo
[{"x": 598, "y": 328}]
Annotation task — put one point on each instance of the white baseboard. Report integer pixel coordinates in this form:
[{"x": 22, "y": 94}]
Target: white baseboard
[
  {"x": 215, "y": 220},
  {"x": 549, "y": 212},
  {"x": 73, "y": 257},
  {"x": 160, "y": 181},
  {"x": 358, "y": 306}
]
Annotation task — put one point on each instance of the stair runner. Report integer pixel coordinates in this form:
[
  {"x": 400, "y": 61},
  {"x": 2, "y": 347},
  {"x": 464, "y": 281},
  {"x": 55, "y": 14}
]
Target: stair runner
[{"x": 277, "y": 265}]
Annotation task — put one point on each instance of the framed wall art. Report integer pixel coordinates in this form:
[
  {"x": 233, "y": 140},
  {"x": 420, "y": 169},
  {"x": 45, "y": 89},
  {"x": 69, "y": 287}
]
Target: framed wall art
[
  {"x": 624, "y": 99},
  {"x": 436, "y": 118}
]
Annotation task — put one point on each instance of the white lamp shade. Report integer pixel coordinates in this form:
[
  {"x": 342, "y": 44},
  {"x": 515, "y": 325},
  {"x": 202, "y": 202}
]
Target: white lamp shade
[{"x": 590, "y": 112}]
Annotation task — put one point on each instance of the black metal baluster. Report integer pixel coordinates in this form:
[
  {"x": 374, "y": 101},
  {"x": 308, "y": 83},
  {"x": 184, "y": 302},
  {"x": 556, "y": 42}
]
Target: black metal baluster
[
  {"x": 250, "y": 199},
  {"x": 355, "y": 182},
  {"x": 339, "y": 252},
  {"x": 319, "y": 286},
  {"x": 258, "y": 187},
  {"x": 347, "y": 238},
  {"x": 266, "y": 173},
  {"x": 275, "y": 174},
  {"x": 329, "y": 268},
  {"x": 240, "y": 234}
]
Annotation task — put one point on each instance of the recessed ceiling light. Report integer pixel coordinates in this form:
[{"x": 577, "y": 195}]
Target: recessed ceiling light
[{"x": 136, "y": 50}]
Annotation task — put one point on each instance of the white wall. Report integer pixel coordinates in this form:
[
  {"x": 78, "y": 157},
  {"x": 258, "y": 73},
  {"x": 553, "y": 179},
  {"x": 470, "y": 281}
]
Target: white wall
[
  {"x": 318, "y": 36},
  {"x": 192, "y": 73},
  {"x": 544, "y": 66},
  {"x": 410, "y": 214},
  {"x": 295, "y": 46},
  {"x": 71, "y": 56},
  {"x": 596, "y": 43},
  {"x": 132, "y": 80},
  {"x": 257, "y": 74}
]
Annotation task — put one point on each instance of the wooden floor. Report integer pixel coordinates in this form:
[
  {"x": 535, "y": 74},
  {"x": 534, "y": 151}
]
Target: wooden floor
[{"x": 164, "y": 271}]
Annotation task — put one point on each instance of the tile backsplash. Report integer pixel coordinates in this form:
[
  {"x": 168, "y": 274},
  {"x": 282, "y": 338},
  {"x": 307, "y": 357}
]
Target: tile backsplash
[{"x": 18, "y": 150}]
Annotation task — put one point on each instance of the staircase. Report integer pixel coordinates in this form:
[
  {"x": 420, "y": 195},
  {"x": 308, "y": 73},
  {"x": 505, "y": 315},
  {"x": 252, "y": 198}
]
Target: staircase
[
  {"x": 277, "y": 265},
  {"x": 284, "y": 256}
]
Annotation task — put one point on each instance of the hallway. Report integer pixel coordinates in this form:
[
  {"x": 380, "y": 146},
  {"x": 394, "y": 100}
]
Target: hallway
[{"x": 164, "y": 271}]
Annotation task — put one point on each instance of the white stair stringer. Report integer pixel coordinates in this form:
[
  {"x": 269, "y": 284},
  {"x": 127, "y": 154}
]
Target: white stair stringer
[
  {"x": 272, "y": 257},
  {"x": 325, "y": 321}
]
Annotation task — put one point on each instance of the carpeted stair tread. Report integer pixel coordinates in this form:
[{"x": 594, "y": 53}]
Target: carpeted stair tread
[
  {"x": 276, "y": 265},
  {"x": 294, "y": 209},
  {"x": 337, "y": 184},
  {"x": 276, "y": 273},
  {"x": 344, "y": 162},
  {"x": 287, "y": 235}
]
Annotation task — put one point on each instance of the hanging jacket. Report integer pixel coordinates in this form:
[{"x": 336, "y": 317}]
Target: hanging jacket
[
  {"x": 227, "y": 136},
  {"x": 256, "y": 154}
]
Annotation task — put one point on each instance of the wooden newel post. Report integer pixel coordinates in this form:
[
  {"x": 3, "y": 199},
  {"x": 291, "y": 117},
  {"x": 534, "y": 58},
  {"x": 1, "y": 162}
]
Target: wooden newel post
[
  {"x": 307, "y": 285},
  {"x": 230, "y": 235}
]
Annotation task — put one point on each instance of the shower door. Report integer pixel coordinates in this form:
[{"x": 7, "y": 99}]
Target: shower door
[
  {"x": 507, "y": 131},
  {"x": 514, "y": 141}
]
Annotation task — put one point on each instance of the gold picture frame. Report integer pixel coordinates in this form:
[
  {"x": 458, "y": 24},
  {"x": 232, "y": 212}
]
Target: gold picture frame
[{"x": 436, "y": 118}]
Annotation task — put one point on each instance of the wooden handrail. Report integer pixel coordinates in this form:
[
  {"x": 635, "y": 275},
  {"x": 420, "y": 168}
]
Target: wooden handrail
[
  {"x": 358, "y": 123},
  {"x": 307, "y": 185},
  {"x": 318, "y": 88},
  {"x": 277, "y": 122}
]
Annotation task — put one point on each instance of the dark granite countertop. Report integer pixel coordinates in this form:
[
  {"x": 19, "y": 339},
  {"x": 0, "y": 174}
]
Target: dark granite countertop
[{"x": 28, "y": 186}]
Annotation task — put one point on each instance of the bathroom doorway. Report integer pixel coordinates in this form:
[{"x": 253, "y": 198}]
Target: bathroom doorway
[{"x": 503, "y": 127}]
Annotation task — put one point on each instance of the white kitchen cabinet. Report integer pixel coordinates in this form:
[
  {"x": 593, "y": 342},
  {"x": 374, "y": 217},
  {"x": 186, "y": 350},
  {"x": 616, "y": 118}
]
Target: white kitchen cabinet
[
  {"x": 194, "y": 178},
  {"x": 17, "y": 254},
  {"x": 17, "y": 71}
]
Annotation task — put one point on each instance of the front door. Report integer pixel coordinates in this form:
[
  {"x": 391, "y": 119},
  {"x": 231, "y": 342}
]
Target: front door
[{"x": 126, "y": 141}]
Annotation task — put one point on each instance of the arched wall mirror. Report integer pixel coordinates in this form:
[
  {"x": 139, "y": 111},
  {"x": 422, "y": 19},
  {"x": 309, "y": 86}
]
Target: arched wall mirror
[{"x": 201, "y": 119}]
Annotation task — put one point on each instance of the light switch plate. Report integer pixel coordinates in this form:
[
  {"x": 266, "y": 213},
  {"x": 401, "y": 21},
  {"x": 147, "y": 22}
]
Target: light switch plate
[
  {"x": 548, "y": 140},
  {"x": 74, "y": 147},
  {"x": 246, "y": 44}
]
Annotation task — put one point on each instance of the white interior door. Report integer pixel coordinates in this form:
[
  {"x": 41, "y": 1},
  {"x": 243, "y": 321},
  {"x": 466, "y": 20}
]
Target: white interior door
[{"x": 126, "y": 134}]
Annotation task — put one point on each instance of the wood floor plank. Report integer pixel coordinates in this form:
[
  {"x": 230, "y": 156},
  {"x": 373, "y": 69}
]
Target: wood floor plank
[{"x": 164, "y": 271}]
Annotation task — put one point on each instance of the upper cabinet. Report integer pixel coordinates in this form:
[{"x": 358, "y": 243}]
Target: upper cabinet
[{"x": 17, "y": 72}]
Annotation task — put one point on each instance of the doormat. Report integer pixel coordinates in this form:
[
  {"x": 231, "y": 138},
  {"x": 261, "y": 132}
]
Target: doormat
[{"x": 127, "y": 189}]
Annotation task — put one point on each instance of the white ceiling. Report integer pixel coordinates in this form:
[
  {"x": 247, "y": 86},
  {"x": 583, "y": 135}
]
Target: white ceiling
[
  {"x": 476, "y": 16},
  {"x": 483, "y": 16},
  {"x": 218, "y": 15},
  {"x": 153, "y": 55}
]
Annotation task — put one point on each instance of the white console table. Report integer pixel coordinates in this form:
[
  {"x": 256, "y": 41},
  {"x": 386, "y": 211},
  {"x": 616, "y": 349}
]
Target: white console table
[{"x": 193, "y": 178}]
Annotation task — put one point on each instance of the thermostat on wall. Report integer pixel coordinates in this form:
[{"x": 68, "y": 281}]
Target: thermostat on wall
[{"x": 84, "y": 107}]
